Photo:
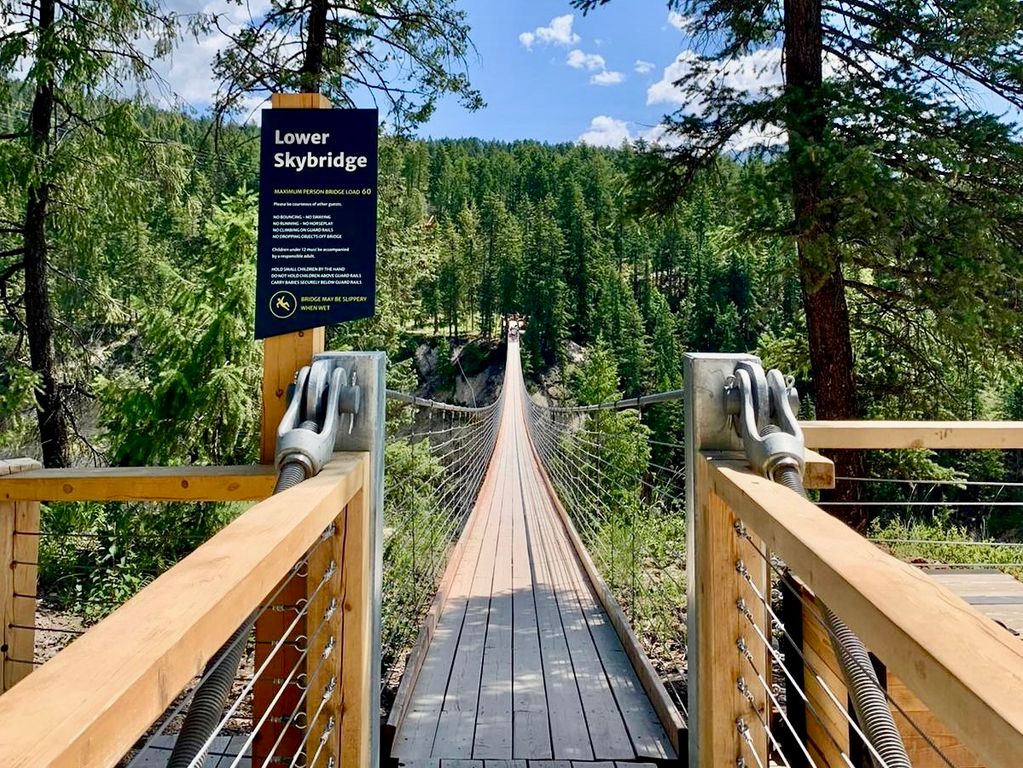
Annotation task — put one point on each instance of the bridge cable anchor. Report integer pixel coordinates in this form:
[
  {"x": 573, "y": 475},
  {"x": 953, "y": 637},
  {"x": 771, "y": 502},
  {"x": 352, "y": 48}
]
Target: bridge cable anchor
[{"x": 763, "y": 408}]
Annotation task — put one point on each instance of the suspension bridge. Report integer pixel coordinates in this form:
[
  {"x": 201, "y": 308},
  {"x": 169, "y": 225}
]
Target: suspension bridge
[{"x": 533, "y": 591}]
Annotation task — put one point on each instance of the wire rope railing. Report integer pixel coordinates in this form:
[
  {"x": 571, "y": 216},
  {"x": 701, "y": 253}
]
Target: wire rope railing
[
  {"x": 437, "y": 456},
  {"x": 622, "y": 490}
]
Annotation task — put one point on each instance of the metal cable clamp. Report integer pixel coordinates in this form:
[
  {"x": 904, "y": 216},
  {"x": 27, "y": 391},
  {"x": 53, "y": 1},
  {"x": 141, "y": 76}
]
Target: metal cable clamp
[
  {"x": 308, "y": 431},
  {"x": 762, "y": 407}
]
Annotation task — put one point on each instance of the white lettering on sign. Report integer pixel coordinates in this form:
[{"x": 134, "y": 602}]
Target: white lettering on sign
[
  {"x": 300, "y": 138},
  {"x": 338, "y": 160}
]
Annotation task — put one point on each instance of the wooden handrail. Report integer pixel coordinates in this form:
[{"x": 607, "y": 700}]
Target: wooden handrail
[
  {"x": 867, "y": 435},
  {"x": 963, "y": 666},
  {"x": 88, "y": 705},
  {"x": 242, "y": 483}
]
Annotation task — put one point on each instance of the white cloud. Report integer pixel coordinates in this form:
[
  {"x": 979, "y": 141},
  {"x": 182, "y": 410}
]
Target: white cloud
[
  {"x": 606, "y": 131},
  {"x": 680, "y": 22},
  {"x": 607, "y": 77},
  {"x": 750, "y": 136},
  {"x": 590, "y": 61},
  {"x": 642, "y": 67},
  {"x": 187, "y": 73},
  {"x": 558, "y": 32},
  {"x": 755, "y": 74}
]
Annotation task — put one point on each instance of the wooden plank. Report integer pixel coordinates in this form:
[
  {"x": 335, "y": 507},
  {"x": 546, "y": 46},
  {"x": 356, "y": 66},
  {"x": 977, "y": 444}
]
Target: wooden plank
[
  {"x": 357, "y": 673},
  {"x": 967, "y": 435},
  {"x": 915, "y": 721},
  {"x": 531, "y": 732},
  {"x": 997, "y": 595},
  {"x": 19, "y": 552},
  {"x": 570, "y": 738},
  {"x": 818, "y": 471},
  {"x": 88, "y": 705},
  {"x": 493, "y": 735},
  {"x": 827, "y": 727},
  {"x": 329, "y": 592},
  {"x": 963, "y": 666},
  {"x": 416, "y": 735},
  {"x": 716, "y": 589},
  {"x": 609, "y": 737},
  {"x": 283, "y": 356},
  {"x": 417, "y": 657},
  {"x": 299, "y": 101},
  {"x": 656, "y": 693},
  {"x": 457, "y": 724},
  {"x": 242, "y": 483},
  {"x": 457, "y": 763},
  {"x": 752, "y": 706}
]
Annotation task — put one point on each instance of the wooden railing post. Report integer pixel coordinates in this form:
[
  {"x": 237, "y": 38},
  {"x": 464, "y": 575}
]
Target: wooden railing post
[
  {"x": 284, "y": 355},
  {"x": 721, "y": 681},
  {"x": 325, "y": 593},
  {"x": 362, "y": 568},
  {"x": 360, "y": 678},
  {"x": 19, "y": 553}
]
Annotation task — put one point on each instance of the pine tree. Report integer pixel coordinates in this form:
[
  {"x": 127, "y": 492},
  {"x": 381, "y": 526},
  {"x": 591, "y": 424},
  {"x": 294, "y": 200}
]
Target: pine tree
[
  {"x": 71, "y": 53},
  {"x": 544, "y": 292},
  {"x": 403, "y": 52}
]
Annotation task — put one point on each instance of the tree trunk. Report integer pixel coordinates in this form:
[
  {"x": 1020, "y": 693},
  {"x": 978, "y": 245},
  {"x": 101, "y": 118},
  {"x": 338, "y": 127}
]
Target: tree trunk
[
  {"x": 315, "y": 43},
  {"x": 820, "y": 268},
  {"x": 53, "y": 426}
]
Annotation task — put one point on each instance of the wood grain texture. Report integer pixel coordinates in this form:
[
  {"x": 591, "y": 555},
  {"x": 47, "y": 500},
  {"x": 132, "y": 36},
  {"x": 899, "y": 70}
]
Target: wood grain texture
[
  {"x": 968, "y": 435},
  {"x": 283, "y": 356},
  {"x": 818, "y": 472},
  {"x": 654, "y": 692},
  {"x": 87, "y": 706},
  {"x": 242, "y": 483},
  {"x": 357, "y": 676},
  {"x": 965, "y": 668},
  {"x": 19, "y": 550}
]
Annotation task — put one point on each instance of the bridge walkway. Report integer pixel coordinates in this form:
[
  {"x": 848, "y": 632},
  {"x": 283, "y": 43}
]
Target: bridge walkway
[{"x": 524, "y": 663}]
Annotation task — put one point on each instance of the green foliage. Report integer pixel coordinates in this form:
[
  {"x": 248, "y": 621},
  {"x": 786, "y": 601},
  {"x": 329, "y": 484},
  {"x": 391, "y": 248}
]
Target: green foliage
[
  {"x": 96, "y": 556},
  {"x": 17, "y": 398},
  {"x": 404, "y": 54},
  {"x": 193, "y": 396},
  {"x": 940, "y": 541}
]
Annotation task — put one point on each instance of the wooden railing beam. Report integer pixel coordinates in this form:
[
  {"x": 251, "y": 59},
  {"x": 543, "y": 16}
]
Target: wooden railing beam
[
  {"x": 242, "y": 483},
  {"x": 965, "y": 668},
  {"x": 885, "y": 435},
  {"x": 89, "y": 704}
]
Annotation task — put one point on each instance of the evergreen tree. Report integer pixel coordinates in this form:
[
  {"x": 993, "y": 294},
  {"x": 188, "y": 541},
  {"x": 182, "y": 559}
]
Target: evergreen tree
[
  {"x": 398, "y": 52},
  {"x": 544, "y": 292},
  {"x": 71, "y": 53}
]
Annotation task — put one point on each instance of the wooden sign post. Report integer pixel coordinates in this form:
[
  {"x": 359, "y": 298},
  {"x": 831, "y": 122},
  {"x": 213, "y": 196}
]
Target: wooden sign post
[{"x": 284, "y": 355}]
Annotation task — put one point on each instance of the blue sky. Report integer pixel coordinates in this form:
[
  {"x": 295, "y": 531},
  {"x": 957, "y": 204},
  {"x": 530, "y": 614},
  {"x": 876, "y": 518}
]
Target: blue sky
[
  {"x": 546, "y": 71},
  {"x": 552, "y": 88}
]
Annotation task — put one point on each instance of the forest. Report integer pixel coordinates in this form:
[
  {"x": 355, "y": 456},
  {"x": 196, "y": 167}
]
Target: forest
[{"x": 880, "y": 266}]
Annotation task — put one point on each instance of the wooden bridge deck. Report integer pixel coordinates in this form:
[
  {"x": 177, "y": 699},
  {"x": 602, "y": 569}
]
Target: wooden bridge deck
[{"x": 524, "y": 663}]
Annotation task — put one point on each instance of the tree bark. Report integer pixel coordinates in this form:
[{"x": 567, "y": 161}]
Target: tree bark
[
  {"x": 53, "y": 425},
  {"x": 820, "y": 267},
  {"x": 315, "y": 44}
]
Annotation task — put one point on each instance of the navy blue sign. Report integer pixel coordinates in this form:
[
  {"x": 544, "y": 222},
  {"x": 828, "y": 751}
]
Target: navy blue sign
[{"x": 317, "y": 218}]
